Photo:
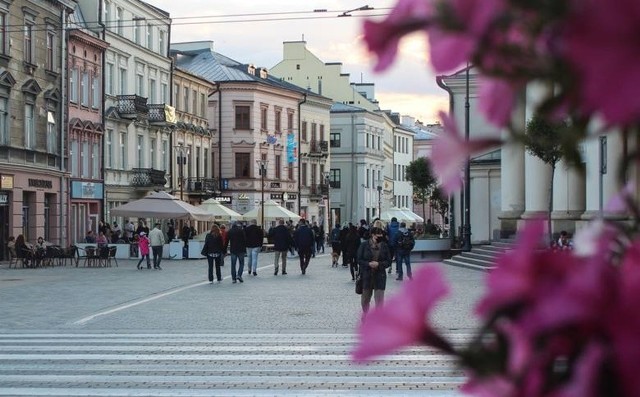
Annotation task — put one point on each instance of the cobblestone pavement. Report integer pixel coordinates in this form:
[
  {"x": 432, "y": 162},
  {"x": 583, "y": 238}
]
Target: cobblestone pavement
[{"x": 120, "y": 331}]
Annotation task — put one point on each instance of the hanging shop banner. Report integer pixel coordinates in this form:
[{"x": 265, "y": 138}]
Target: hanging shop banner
[{"x": 291, "y": 148}]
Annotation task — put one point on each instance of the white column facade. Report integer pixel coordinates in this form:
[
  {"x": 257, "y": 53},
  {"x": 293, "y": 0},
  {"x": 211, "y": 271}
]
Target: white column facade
[{"x": 568, "y": 197}]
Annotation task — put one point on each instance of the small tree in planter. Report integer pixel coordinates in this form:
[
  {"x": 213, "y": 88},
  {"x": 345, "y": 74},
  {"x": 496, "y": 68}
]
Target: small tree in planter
[
  {"x": 419, "y": 173},
  {"x": 440, "y": 203}
]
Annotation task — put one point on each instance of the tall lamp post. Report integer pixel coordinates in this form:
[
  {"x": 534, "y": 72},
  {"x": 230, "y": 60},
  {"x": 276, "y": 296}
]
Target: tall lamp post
[
  {"x": 182, "y": 152},
  {"x": 263, "y": 171},
  {"x": 379, "y": 198},
  {"x": 325, "y": 175},
  {"x": 466, "y": 229}
]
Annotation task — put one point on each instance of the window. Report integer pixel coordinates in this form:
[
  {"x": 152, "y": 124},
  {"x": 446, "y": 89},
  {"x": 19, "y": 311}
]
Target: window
[
  {"x": 74, "y": 154},
  {"x": 140, "y": 151},
  {"x": 4, "y": 37},
  {"x": 95, "y": 161},
  {"x": 335, "y": 178},
  {"x": 108, "y": 155},
  {"x": 205, "y": 174},
  {"x": 150, "y": 37},
  {"x": 123, "y": 151},
  {"x": 198, "y": 151},
  {"x": 303, "y": 134},
  {"x": 242, "y": 117},
  {"x": 314, "y": 173},
  {"x": 84, "y": 89},
  {"x": 322, "y": 132},
  {"x": 73, "y": 85},
  {"x": 107, "y": 15},
  {"x": 139, "y": 84},
  {"x": 123, "y": 81},
  {"x": 162, "y": 42},
  {"x": 120, "y": 21},
  {"x": 290, "y": 121},
  {"x": 152, "y": 151},
  {"x": 152, "y": 91},
  {"x": 164, "y": 92},
  {"x": 165, "y": 155},
  {"x": 367, "y": 184},
  {"x": 28, "y": 42},
  {"x": 203, "y": 105},
  {"x": 334, "y": 139},
  {"x": 52, "y": 141},
  {"x": 176, "y": 95},
  {"x": 185, "y": 99},
  {"x": 189, "y": 161},
  {"x": 194, "y": 107},
  {"x": 4, "y": 121},
  {"x": 263, "y": 118},
  {"x": 290, "y": 172},
  {"x": 95, "y": 89},
  {"x": 84, "y": 173},
  {"x": 278, "y": 116},
  {"x": 51, "y": 46},
  {"x": 242, "y": 165},
  {"x": 278, "y": 165},
  {"x": 314, "y": 128},
  {"x": 29, "y": 126},
  {"x": 303, "y": 174},
  {"x": 109, "y": 79},
  {"x": 137, "y": 30}
]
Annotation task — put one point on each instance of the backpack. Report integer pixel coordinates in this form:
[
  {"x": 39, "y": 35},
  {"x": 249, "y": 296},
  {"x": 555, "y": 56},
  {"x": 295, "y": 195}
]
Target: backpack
[
  {"x": 406, "y": 242},
  {"x": 335, "y": 235}
]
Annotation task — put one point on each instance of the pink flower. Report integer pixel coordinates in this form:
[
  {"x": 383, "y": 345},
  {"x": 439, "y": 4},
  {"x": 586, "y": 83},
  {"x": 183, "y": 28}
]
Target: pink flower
[
  {"x": 586, "y": 374},
  {"x": 450, "y": 152},
  {"x": 601, "y": 45},
  {"x": 402, "y": 321},
  {"x": 451, "y": 48},
  {"x": 497, "y": 100},
  {"x": 492, "y": 386},
  {"x": 383, "y": 38}
]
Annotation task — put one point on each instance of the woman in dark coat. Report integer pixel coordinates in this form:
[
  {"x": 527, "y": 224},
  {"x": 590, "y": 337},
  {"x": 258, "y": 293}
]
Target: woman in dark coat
[
  {"x": 373, "y": 259},
  {"x": 350, "y": 250},
  {"x": 214, "y": 249}
]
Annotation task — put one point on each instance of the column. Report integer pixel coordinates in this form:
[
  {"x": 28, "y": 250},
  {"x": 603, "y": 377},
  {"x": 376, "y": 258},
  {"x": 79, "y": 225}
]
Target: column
[
  {"x": 568, "y": 197},
  {"x": 512, "y": 177}
]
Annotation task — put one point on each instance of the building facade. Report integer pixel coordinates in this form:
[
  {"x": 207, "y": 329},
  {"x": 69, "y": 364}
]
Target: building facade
[{"x": 32, "y": 147}]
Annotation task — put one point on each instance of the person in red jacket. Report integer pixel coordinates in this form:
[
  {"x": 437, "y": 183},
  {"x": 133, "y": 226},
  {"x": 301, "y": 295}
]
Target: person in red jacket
[{"x": 143, "y": 243}]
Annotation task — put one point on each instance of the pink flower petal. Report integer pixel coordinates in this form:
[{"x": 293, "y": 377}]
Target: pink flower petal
[
  {"x": 497, "y": 100},
  {"x": 402, "y": 321}
]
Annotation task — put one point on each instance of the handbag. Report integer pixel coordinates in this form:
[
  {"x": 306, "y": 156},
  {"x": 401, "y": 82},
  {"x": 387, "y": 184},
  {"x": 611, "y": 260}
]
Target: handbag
[
  {"x": 358, "y": 284},
  {"x": 204, "y": 251}
]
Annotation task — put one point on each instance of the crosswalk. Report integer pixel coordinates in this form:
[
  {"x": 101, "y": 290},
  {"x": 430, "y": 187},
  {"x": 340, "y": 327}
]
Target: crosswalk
[{"x": 200, "y": 364}]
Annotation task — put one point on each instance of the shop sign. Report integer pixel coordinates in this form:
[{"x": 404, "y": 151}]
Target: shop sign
[
  {"x": 292, "y": 196},
  {"x": 276, "y": 196},
  {"x": 275, "y": 185},
  {"x": 224, "y": 199},
  {"x": 243, "y": 196},
  {"x": 86, "y": 190},
  {"x": 6, "y": 182},
  {"x": 40, "y": 183},
  {"x": 4, "y": 198}
]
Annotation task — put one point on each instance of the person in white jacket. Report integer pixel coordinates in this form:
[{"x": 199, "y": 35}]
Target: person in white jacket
[{"x": 156, "y": 238}]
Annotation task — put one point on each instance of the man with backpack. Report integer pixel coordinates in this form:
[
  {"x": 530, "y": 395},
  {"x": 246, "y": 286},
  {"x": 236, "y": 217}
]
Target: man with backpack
[
  {"x": 404, "y": 243},
  {"x": 335, "y": 245}
]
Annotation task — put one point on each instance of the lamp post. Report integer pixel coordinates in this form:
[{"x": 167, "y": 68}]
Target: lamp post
[
  {"x": 325, "y": 175},
  {"x": 466, "y": 229},
  {"x": 182, "y": 152},
  {"x": 263, "y": 171}
]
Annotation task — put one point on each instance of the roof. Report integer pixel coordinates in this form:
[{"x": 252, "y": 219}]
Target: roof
[{"x": 339, "y": 107}]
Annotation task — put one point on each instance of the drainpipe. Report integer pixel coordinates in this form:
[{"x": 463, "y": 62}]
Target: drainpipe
[
  {"x": 171, "y": 68},
  {"x": 64, "y": 195},
  {"x": 102, "y": 112},
  {"x": 304, "y": 100},
  {"x": 354, "y": 170},
  {"x": 452, "y": 223}
]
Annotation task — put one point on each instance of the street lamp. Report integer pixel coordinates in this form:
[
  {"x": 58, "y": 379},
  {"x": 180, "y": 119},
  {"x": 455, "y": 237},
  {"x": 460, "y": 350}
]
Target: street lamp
[
  {"x": 325, "y": 176},
  {"x": 263, "y": 171},
  {"x": 182, "y": 152},
  {"x": 466, "y": 229}
]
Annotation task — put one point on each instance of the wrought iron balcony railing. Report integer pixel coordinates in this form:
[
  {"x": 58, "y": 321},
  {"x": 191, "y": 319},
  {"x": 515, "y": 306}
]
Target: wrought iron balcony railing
[
  {"x": 318, "y": 148},
  {"x": 148, "y": 177},
  {"x": 201, "y": 185},
  {"x": 162, "y": 114},
  {"x": 131, "y": 106}
]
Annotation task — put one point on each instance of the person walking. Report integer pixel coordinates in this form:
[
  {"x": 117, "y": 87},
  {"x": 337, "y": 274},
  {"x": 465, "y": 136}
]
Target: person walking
[
  {"x": 373, "y": 259},
  {"x": 305, "y": 241},
  {"x": 392, "y": 231},
  {"x": 143, "y": 244},
  {"x": 214, "y": 250},
  {"x": 237, "y": 242},
  {"x": 282, "y": 241},
  {"x": 255, "y": 238},
  {"x": 335, "y": 245},
  {"x": 156, "y": 239},
  {"x": 404, "y": 243},
  {"x": 350, "y": 250}
]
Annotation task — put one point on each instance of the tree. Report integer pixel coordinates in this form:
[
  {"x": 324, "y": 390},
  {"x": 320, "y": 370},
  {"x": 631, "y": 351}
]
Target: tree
[
  {"x": 424, "y": 182},
  {"x": 543, "y": 140},
  {"x": 440, "y": 203}
]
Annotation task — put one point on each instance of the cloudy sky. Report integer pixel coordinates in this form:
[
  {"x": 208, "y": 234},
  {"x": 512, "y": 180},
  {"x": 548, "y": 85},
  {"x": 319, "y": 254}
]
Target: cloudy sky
[{"x": 240, "y": 30}]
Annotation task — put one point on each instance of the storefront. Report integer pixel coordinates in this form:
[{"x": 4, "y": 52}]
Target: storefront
[{"x": 85, "y": 208}]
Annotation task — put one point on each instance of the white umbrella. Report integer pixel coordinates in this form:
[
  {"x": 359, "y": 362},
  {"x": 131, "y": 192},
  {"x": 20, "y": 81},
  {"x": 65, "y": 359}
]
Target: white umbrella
[
  {"x": 218, "y": 210},
  {"x": 395, "y": 212},
  {"x": 161, "y": 205},
  {"x": 271, "y": 211},
  {"x": 417, "y": 218}
]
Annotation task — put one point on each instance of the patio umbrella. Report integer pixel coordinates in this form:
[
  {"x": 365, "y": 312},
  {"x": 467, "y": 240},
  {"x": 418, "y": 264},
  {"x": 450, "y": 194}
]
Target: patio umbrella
[
  {"x": 161, "y": 205},
  {"x": 417, "y": 218},
  {"x": 219, "y": 211},
  {"x": 271, "y": 211},
  {"x": 395, "y": 212}
]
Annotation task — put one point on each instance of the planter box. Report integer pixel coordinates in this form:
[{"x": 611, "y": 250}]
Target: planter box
[{"x": 433, "y": 244}]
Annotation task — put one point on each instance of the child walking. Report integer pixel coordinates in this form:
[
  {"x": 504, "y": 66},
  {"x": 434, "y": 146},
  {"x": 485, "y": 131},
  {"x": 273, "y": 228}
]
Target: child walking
[{"x": 143, "y": 243}]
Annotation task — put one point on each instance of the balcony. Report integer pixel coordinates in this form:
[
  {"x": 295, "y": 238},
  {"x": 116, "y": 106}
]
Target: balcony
[
  {"x": 317, "y": 191},
  {"x": 161, "y": 114},
  {"x": 132, "y": 106},
  {"x": 148, "y": 177},
  {"x": 201, "y": 186},
  {"x": 318, "y": 148}
]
